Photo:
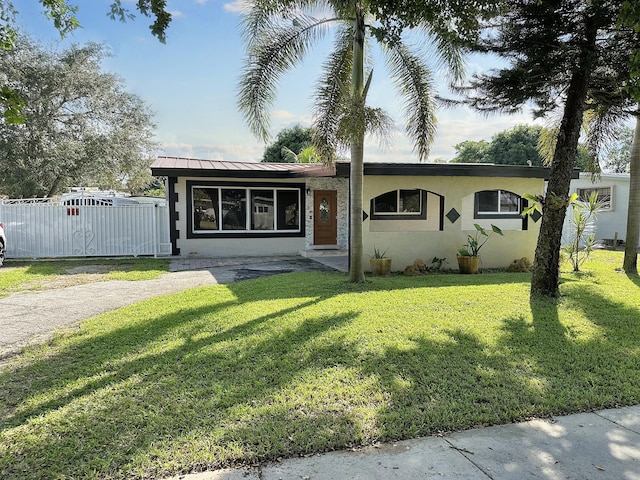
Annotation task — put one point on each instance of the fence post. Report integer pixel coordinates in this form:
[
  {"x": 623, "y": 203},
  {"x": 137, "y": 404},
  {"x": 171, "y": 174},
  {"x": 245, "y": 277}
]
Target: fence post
[{"x": 155, "y": 230}]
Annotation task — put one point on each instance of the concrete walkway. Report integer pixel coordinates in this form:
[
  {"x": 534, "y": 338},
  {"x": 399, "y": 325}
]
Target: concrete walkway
[{"x": 602, "y": 445}]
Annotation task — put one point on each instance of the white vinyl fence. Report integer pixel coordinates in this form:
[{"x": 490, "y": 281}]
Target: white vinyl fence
[{"x": 37, "y": 230}]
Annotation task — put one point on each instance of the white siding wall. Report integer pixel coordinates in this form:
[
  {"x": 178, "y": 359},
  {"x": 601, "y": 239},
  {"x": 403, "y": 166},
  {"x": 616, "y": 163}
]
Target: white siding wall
[{"x": 614, "y": 220}]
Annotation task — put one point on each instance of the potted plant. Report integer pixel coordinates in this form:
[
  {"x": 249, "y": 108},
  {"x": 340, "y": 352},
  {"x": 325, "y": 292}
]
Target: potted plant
[
  {"x": 469, "y": 254},
  {"x": 380, "y": 263}
]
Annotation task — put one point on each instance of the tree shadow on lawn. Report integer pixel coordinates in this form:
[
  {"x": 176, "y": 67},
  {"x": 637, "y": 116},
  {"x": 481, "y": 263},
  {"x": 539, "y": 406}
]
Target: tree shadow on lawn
[
  {"x": 635, "y": 278},
  {"x": 103, "y": 403},
  {"x": 187, "y": 390},
  {"x": 541, "y": 365}
]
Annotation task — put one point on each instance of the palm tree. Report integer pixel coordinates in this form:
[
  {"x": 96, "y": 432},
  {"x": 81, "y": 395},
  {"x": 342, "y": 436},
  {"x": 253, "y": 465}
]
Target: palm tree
[
  {"x": 630, "y": 262},
  {"x": 279, "y": 34}
]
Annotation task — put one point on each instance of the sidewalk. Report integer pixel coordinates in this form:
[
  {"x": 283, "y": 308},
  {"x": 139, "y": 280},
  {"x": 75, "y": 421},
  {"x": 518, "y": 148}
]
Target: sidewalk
[{"x": 599, "y": 445}]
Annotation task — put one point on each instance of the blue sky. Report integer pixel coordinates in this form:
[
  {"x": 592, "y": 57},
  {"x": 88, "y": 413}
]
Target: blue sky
[{"x": 190, "y": 83}]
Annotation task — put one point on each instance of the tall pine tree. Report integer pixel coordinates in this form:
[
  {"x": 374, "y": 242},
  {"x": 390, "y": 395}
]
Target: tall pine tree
[{"x": 562, "y": 55}]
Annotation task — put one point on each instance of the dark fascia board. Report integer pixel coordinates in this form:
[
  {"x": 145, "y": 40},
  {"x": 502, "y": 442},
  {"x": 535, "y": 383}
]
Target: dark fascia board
[
  {"x": 185, "y": 172},
  {"x": 450, "y": 170},
  {"x": 382, "y": 169}
]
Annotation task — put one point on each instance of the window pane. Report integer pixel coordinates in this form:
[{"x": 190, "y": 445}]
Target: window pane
[
  {"x": 205, "y": 208},
  {"x": 488, "y": 201},
  {"x": 509, "y": 202},
  {"x": 604, "y": 195},
  {"x": 409, "y": 201},
  {"x": 288, "y": 210},
  {"x": 387, "y": 202},
  {"x": 262, "y": 210},
  {"x": 234, "y": 209}
]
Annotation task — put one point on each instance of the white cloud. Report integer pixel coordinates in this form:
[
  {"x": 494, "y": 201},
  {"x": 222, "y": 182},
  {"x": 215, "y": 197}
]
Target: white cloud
[
  {"x": 240, "y": 152},
  {"x": 201, "y": 2},
  {"x": 237, "y": 6},
  {"x": 282, "y": 115},
  {"x": 176, "y": 14}
]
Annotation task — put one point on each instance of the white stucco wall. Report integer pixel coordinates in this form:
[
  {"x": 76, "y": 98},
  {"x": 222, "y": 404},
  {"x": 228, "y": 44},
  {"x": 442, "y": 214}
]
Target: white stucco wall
[
  {"x": 609, "y": 221},
  {"x": 409, "y": 241}
]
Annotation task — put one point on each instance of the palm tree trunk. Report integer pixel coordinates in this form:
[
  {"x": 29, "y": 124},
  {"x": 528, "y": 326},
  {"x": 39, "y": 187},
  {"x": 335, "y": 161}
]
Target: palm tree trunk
[
  {"x": 630, "y": 263},
  {"x": 356, "y": 271}
]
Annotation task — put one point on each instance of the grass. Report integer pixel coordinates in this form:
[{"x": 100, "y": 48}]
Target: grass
[
  {"x": 21, "y": 276},
  {"x": 305, "y": 362}
]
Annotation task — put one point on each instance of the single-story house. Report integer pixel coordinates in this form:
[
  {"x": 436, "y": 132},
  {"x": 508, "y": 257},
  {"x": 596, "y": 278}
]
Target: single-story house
[
  {"x": 412, "y": 210},
  {"x": 613, "y": 192}
]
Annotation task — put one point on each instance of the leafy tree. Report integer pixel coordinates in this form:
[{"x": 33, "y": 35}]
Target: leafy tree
[
  {"x": 516, "y": 146},
  {"x": 618, "y": 155},
  {"x": 81, "y": 127},
  {"x": 560, "y": 52},
  {"x": 296, "y": 139},
  {"x": 279, "y": 34},
  {"x": 62, "y": 14},
  {"x": 470, "y": 151}
]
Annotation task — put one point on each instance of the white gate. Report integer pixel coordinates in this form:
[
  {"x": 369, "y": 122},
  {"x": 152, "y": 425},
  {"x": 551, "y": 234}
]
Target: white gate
[{"x": 37, "y": 230}]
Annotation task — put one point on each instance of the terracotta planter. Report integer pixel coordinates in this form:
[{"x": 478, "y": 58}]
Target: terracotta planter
[
  {"x": 468, "y": 264},
  {"x": 380, "y": 267}
]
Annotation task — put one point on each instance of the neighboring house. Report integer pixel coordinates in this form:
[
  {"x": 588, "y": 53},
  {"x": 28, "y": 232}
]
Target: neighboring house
[
  {"x": 414, "y": 210},
  {"x": 613, "y": 191}
]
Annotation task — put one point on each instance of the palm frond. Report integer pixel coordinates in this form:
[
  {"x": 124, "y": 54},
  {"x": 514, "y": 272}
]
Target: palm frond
[
  {"x": 449, "y": 55},
  {"x": 601, "y": 127},
  {"x": 260, "y": 15},
  {"x": 277, "y": 50},
  {"x": 415, "y": 83},
  {"x": 332, "y": 89},
  {"x": 547, "y": 143}
]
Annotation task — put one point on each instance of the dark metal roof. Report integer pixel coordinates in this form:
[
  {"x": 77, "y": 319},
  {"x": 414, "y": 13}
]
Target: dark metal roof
[{"x": 183, "y": 167}]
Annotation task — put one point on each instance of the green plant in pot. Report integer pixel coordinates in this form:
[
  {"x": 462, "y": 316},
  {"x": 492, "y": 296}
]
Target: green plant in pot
[
  {"x": 380, "y": 263},
  {"x": 469, "y": 254}
]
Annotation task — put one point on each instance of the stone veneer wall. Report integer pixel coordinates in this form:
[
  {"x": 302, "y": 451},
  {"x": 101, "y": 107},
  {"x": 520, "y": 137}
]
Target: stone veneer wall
[{"x": 341, "y": 185}]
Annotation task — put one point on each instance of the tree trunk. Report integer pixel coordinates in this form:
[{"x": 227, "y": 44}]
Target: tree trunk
[
  {"x": 546, "y": 265},
  {"x": 630, "y": 263},
  {"x": 356, "y": 271}
]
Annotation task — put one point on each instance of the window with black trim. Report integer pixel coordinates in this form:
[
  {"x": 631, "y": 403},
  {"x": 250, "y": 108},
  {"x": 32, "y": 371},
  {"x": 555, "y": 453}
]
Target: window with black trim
[
  {"x": 604, "y": 196},
  {"x": 400, "y": 204},
  {"x": 222, "y": 209},
  {"x": 497, "y": 204}
]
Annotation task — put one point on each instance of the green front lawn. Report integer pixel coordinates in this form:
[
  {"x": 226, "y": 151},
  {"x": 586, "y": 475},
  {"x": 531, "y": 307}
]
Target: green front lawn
[
  {"x": 17, "y": 276},
  {"x": 301, "y": 363}
]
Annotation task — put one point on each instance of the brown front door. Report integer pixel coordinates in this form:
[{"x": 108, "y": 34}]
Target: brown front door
[{"x": 325, "y": 217}]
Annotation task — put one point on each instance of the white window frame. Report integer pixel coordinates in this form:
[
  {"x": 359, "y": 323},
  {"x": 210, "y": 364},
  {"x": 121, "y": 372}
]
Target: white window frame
[
  {"x": 606, "y": 206},
  {"x": 496, "y": 213}
]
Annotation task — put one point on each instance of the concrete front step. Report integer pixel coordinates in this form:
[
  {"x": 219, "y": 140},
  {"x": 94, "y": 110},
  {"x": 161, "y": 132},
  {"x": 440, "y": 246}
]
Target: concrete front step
[{"x": 324, "y": 251}]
